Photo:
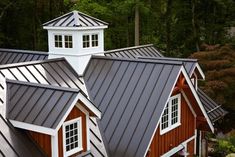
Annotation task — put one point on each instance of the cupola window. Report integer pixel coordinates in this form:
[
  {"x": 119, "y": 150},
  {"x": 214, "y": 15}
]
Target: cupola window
[
  {"x": 90, "y": 40},
  {"x": 63, "y": 41},
  {"x": 58, "y": 41}
]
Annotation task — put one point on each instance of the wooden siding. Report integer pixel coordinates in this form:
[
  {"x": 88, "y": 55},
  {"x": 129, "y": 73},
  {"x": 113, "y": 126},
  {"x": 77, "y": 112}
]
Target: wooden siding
[
  {"x": 164, "y": 143},
  {"x": 43, "y": 140},
  {"x": 75, "y": 113},
  {"x": 190, "y": 148}
]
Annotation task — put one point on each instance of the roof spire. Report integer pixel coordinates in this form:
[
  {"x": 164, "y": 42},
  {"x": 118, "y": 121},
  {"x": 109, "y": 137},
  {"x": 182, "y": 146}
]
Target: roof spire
[{"x": 76, "y": 18}]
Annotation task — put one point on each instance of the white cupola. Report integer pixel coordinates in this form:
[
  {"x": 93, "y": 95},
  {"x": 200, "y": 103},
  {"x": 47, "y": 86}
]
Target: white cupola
[{"x": 75, "y": 36}]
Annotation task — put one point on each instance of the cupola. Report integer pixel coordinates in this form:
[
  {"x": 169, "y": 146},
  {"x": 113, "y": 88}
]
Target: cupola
[{"x": 75, "y": 36}]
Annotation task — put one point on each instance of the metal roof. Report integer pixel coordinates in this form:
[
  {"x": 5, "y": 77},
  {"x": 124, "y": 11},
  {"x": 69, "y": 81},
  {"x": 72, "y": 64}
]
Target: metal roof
[
  {"x": 37, "y": 104},
  {"x": 15, "y": 143},
  {"x": 214, "y": 111},
  {"x": 75, "y": 19},
  {"x": 189, "y": 64},
  {"x": 131, "y": 94},
  {"x": 9, "y": 56},
  {"x": 134, "y": 52},
  {"x": 56, "y": 72}
]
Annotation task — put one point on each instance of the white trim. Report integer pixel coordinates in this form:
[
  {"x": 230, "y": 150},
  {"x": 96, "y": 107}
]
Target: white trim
[
  {"x": 75, "y": 55},
  {"x": 197, "y": 99},
  {"x": 54, "y": 146},
  {"x": 4, "y": 96},
  {"x": 170, "y": 126},
  {"x": 89, "y": 105},
  {"x": 79, "y": 148},
  {"x": 200, "y": 143},
  {"x": 189, "y": 104},
  {"x": 146, "y": 151},
  {"x": 74, "y": 28},
  {"x": 32, "y": 127},
  {"x": 67, "y": 112},
  {"x": 178, "y": 148},
  {"x": 199, "y": 70},
  {"x": 87, "y": 126},
  {"x": 195, "y": 142}
]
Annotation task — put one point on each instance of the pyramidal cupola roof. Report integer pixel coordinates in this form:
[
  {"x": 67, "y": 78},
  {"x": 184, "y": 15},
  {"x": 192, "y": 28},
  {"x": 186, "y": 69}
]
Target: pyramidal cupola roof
[{"x": 75, "y": 19}]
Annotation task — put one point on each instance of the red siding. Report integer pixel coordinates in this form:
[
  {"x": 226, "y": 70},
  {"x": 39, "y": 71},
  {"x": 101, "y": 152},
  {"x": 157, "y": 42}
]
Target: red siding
[
  {"x": 75, "y": 113},
  {"x": 190, "y": 148},
  {"x": 163, "y": 143},
  {"x": 43, "y": 140}
]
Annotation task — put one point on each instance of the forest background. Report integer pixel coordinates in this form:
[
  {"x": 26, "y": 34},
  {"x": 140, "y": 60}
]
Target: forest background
[{"x": 178, "y": 28}]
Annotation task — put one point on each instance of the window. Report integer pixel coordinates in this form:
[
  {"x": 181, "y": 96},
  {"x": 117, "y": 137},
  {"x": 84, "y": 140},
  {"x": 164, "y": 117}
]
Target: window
[
  {"x": 58, "y": 40},
  {"x": 86, "y": 41},
  {"x": 63, "y": 41},
  {"x": 94, "y": 40},
  {"x": 72, "y": 131},
  {"x": 90, "y": 40},
  {"x": 171, "y": 115},
  {"x": 68, "y": 41}
]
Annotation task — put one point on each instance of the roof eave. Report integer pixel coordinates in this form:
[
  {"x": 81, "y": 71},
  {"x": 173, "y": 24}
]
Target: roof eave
[{"x": 76, "y": 28}]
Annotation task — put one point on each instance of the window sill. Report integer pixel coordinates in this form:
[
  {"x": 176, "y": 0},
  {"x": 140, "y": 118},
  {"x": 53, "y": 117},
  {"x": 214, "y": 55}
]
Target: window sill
[{"x": 162, "y": 132}]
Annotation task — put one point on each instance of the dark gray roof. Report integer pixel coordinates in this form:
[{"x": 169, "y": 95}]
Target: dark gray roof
[
  {"x": 56, "y": 72},
  {"x": 37, "y": 104},
  {"x": 131, "y": 95},
  {"x": 214, "y": 111},
  {"x": 189, "y": 64},
  {"x": 75, "y": 19},
  {"x": 9, "y": 56},
  {"x": 15, "y": 143},
  {"x": 134, "y": 52}
]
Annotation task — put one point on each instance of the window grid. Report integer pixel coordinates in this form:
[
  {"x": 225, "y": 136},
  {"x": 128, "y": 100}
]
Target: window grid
[
  {"x": 68, "y": 41},
  {"x": 58, "y": 41},
  {"x": 174, "y": 111},
  {"x": 171, "y": 115},
  {"x": 71, "y": 136},
  {"x": 165, "y": 119},
  {"x": 94, "y": 40},
  {"x": 86, "y": 41}
]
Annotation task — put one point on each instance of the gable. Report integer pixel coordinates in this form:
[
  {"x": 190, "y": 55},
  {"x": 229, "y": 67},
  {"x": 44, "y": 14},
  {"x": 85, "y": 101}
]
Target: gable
[{"x": 131, "y": 95}]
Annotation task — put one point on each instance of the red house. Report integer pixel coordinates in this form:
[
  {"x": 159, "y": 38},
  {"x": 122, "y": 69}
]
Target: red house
[{"x": 79, "y": 100}]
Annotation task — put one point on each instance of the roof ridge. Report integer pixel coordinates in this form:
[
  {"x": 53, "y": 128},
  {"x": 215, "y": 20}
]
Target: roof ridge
[
  {"x": 128, "y": 48},
  {"x": 31, "y": 62},
  {"x": 169, "y": 58},
  {"x": 103, "y": 22},
  {"x": 56, "y": 18},
  {"x": 68, "y": 89},
  {"x": 23, "y": 51},
  {"x": 138, "y": 60}
]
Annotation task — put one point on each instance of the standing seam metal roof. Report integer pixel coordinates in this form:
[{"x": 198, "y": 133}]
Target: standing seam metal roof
[
  {"x": 75, "y": 19},
  {"x": 134, "y": 52},
  {"x": 213, "y": 110},
  {"x": 131, "y": 94},
  {"x": 41, "y": 105},
  {"x": 9, "y": 56},
  {"x": 15, "y": 142}
]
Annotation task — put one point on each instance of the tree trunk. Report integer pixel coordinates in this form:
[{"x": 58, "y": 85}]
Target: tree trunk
[
  {"x": 168, "y": 26},
  {"x": 137, "y": 24},
  {"x": 195, "y": 34}
]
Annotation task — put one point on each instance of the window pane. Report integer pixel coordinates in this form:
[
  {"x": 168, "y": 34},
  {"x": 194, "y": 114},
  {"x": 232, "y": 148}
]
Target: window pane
[
  {"x": 174, "y": 111},
  {"x": 71, "y": 137},
  {"x": 94, "y": 40},
  {"x": 86, "y": 41},
  {"x": 68, "y": 41},
  {"x": 164, "y": 120},
  {"x": 58, "y": 40}
]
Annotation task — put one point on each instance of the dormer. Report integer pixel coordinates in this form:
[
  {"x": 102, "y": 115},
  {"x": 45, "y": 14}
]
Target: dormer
[{"x": 75, "y": 36}]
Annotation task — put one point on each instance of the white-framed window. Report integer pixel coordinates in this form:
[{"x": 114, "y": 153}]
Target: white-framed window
[
  {"x": 86, "y": 41},
  {"x": 94, "y": 40},
  {"x": 68, "y": 41},
  {"x": 63, "y": 41},
  {"x": 90, "y": 40},
  {"x": 58, "y": 41},
  {"x": 72, "y": 136},
  {"x": 171, "y": 114}
]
